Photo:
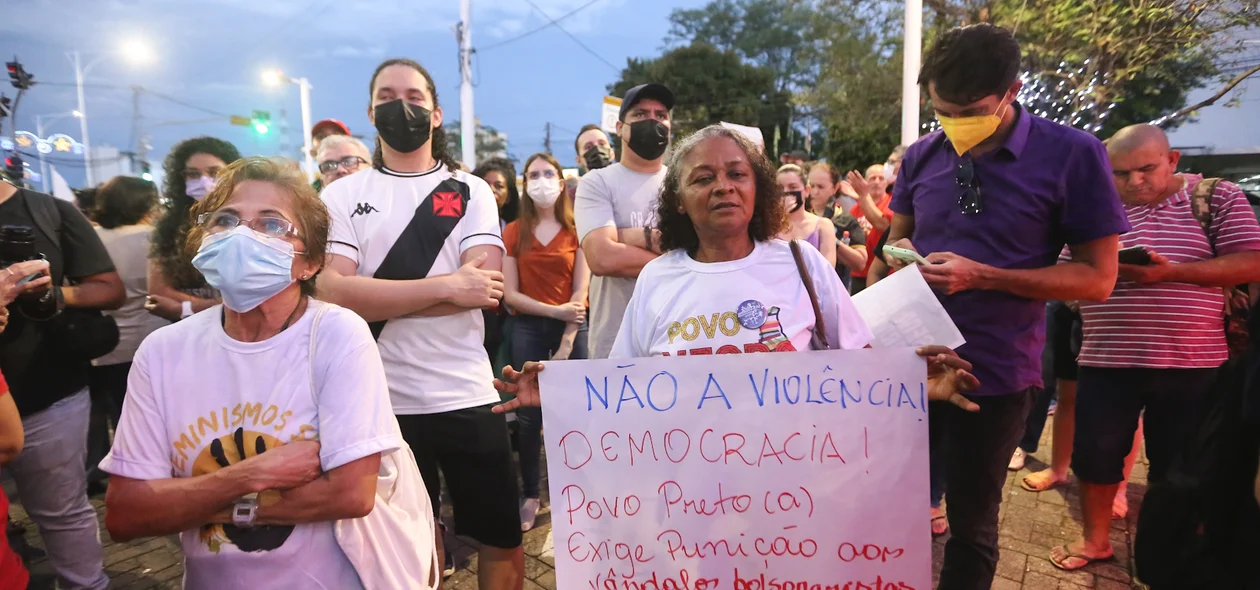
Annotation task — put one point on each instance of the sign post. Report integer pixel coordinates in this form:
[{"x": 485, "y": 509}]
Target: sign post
[{"x": 804, "y": 470}]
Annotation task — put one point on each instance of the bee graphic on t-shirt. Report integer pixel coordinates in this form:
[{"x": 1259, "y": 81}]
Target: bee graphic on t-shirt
[{"x": 222, "y": 452}]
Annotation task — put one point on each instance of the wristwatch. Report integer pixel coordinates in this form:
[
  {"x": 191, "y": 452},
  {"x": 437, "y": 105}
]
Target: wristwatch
[
  {"x": 185, "y": 310},
  {"x": 245, "y": 511}
]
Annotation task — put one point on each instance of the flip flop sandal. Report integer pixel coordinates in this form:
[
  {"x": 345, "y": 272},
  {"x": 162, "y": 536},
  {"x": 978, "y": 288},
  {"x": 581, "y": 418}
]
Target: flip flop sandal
[
  {"x": 1069, "y": 555},
  {"x": 945, "y": 520},
  {"x": 1023, "y": 483}
]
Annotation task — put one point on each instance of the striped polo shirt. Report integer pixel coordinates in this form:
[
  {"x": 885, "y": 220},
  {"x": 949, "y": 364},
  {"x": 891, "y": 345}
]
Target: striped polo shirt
[{"x": 1170, "y": 325}]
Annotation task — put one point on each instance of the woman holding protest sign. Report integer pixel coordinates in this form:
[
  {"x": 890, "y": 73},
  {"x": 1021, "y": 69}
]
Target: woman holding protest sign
[{"x": 725, "y": 285}]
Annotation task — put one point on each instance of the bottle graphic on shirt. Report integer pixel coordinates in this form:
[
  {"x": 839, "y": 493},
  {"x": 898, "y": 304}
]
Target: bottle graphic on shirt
[
  {"x": 846, "y": 239},
  {"x": 771, "y": 332}
]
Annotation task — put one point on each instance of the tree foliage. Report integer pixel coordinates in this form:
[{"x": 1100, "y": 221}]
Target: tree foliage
[
  {"x": 837, "y": 63},
  {"x": 710, "y": 85},
  {"x": 1142, "y": 56},
  {"x": 490, "y": 142}
]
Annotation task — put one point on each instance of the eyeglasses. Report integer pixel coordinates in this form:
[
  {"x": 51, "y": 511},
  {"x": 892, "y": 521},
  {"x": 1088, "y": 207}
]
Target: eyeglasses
[
  {"x": 221, "y": 221},
  {"x": 194, "y": 174},
  {"x": 548, "y": 174},
  {"x": 349, "y": 163},
  {"x": 969, "y": 203}
]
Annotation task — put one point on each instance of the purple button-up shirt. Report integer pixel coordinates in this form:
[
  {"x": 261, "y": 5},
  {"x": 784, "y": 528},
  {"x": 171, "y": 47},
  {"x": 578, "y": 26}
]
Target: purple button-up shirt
[{"x": 1047, "y": 186}]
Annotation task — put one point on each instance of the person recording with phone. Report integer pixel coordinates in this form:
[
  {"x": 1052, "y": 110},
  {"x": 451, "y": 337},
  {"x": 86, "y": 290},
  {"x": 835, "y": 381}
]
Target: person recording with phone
[{"x": 53, "y": 330}]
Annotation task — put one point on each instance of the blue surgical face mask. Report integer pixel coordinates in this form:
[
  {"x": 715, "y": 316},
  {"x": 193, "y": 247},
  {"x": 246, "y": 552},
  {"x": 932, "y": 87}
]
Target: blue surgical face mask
[
  {"x": 246, "y": 267},
  {"x": 198, "y": 189}
]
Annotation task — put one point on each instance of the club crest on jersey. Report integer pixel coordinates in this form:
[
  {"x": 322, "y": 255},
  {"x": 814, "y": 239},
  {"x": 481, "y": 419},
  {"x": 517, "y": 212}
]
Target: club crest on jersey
[{"x": 447, "y": 205}]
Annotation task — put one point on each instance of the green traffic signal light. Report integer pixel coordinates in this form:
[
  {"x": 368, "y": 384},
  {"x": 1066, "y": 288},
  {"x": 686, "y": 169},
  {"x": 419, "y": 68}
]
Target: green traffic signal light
[{"x": 261, "y": 128}]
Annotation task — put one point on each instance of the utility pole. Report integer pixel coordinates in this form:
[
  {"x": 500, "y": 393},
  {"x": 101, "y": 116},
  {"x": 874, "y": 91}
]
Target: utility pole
[
  {"x": 285, "y": 148},
  {"x": 547, "y": 139},
  {"x": 910, "y": 72},
  {"x": 137, "y": 131},
  {"x": 467, "y": 120}
]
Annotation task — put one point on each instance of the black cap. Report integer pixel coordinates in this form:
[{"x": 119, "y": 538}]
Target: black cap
[{"x": 654, "y": 91}]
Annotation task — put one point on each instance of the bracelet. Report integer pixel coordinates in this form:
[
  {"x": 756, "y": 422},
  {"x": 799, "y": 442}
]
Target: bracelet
[{"x": 186, "y": 310}]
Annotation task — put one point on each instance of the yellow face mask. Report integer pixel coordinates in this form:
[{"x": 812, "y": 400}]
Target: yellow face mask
[{"x": 968, "y": 132}]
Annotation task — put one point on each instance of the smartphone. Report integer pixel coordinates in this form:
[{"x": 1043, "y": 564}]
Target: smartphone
[
  {"x": 904, "y": 255},
  {"x": 28, "y": 279},
  {"x": 1136, "y": 255}
]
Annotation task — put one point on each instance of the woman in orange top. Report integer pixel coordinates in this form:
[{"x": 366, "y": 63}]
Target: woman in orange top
[{"x": 545, "y": 281}]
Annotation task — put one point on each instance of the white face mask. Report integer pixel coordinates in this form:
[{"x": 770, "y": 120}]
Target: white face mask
[
  {"x": 890, "y": 175},
  {"x": 544, "y": 191}
]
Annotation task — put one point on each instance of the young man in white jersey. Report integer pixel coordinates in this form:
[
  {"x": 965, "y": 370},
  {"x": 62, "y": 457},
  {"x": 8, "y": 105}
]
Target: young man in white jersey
[
  {"x": 615, "y": 210},
  {"x": 415, "y": 249}
]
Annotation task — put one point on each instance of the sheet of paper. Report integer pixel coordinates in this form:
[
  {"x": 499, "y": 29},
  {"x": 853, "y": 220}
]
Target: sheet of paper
[
  {"x": 902, "y": 310},
  {"x": 740, "y": 471}
]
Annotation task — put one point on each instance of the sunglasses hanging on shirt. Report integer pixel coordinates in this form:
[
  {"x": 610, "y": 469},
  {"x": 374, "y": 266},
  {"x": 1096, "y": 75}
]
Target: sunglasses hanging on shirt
[{"x": 970, "y": 202}]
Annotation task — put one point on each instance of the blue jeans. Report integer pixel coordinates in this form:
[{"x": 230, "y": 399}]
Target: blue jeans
[
  {"x": 536, "y": 338},
  {"x": 52, "y": 485}
]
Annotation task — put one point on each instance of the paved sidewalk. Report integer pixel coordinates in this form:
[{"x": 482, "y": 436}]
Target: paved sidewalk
[{"x": 1031, "y": 525}]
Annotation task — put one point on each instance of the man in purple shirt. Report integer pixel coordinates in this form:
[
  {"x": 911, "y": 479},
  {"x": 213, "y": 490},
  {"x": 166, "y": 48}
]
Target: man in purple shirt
[{"x": 990, "y": 202}]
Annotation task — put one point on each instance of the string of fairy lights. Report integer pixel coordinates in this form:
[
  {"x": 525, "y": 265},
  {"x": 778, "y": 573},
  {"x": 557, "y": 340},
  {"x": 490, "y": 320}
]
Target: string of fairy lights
[{"x": 1057, "y": 98}]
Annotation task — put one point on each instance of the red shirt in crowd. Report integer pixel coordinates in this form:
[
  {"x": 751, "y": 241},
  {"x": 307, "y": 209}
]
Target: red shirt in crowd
[{"x": 13, "y": 575}]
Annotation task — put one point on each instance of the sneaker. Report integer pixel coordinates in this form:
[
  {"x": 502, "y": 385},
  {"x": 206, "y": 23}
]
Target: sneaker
[
  {"x": 529, "y": 512},
  {"x": 448, "y": 565},
  {"x": 1017, "y": 460}
]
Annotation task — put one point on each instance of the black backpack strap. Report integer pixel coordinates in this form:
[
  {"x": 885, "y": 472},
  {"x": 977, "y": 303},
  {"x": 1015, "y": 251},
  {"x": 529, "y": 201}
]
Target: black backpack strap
[{"x": 44, "y": 211}]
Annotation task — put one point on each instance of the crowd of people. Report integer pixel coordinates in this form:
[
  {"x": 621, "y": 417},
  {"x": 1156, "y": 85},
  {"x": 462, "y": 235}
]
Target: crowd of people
[{"x": 288, "y": 374}]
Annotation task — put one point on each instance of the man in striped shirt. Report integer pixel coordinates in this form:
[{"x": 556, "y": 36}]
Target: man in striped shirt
[{"x": 1156, "y": 344}]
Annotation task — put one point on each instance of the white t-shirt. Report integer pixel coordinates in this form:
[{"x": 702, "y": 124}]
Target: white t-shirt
[
  {"x": 617, "y": 197},
  {"x": 193, "y": 390},
  {"x": 412, "y": 226},
  {"x": 128, "y": 247},
  {"x": 755, "y": 304}
]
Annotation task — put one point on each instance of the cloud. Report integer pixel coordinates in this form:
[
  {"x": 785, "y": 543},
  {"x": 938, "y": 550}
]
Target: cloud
[{"x": 346, "y": 51}]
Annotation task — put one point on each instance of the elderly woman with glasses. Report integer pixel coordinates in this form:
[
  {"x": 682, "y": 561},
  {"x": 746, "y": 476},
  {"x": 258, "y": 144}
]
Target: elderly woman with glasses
[
  {"x": 341, "y": 155},
  {"x": 719, "y": 212},
  {"x": 253, "y": 426}
]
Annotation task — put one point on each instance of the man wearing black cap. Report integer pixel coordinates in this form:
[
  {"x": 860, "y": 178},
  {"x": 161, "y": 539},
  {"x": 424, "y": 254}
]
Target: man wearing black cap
[{"x": 615, "y": 210}]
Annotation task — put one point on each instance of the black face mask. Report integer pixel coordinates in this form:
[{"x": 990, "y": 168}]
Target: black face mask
[
  {"x": 403, "y": 126},
  {"x": 599, "y": 156},
  {"x": 648, "y": 139},
  {"x": 800, "y": 200}
]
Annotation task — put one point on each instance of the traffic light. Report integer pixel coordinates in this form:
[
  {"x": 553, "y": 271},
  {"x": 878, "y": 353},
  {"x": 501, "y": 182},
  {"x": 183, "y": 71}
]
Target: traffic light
[
  {"x": 261, "y": 121},
  {"x": 13, "y": 167},
  {"x": 6, "y": 105},
  {"x": 145, "y": 173},
  {"x": 18, "y": 76}
]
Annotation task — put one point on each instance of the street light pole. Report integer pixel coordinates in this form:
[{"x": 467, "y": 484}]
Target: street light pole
[
  {"x": 910, "y": 72},
  {"x": 79, "y": 73},
  {"x": 39, "y": 131},
  {"x": 275, "y": 78},
  {"x": 467, "y": 120},
  {"x": 308, "y": 142}
]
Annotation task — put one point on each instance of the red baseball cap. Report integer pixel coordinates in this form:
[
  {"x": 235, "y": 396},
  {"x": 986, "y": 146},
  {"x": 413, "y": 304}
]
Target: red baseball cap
[{"x": 331, "y": 125}]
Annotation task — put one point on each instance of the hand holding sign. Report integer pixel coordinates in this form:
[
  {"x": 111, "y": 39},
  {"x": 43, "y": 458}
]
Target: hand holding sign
[{"x": 523, "y": 384}]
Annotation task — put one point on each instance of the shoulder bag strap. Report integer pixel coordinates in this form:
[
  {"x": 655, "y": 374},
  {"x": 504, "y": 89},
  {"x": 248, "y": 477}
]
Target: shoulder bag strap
[
  {"x": 1201, "y": 205},
  {"x": 319, "y": 315},
  {"x": 820, "y": 329}
]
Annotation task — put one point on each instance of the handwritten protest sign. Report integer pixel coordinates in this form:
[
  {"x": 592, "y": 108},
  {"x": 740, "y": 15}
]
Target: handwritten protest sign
[{"x": 797, "y": 471}]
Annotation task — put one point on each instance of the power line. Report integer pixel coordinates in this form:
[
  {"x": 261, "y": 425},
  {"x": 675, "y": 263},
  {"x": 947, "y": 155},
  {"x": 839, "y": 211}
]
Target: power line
[
  {"x": 184, "y": 104},
  {"x": 532, "y": 31},
  {"x": 575, "y": 39}
]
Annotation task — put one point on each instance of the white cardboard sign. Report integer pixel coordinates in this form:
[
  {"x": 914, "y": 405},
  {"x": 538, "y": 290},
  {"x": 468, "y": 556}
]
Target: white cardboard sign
[{"x": 787, "y": 471}]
